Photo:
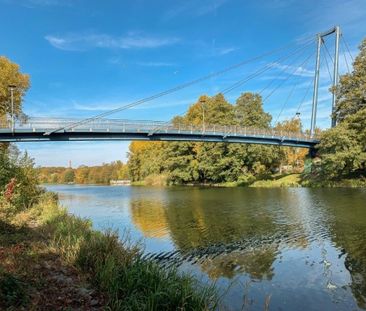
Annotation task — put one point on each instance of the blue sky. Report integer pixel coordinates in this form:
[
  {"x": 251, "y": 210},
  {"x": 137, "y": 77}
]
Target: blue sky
[{"x": 86, "y": 57}]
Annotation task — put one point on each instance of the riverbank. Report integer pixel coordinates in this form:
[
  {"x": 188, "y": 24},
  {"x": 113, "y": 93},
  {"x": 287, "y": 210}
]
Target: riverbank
[
  {"x": 275, "y": 181},
  {"x": 54, "y": 260}
]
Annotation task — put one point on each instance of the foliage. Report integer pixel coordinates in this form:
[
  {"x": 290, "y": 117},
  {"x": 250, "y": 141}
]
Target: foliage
[
  {"x": 101, "y": 174},
  {"x": 18, "y": 179},
  {"x": 351, "y": 91},
  {"x": 343, "y": 149},
  {"x": 10, "y": 75},
  {"x": 212, "y": 163},
  {"x": 12, "y": 291},
  {"x": 292, "y": 158}
]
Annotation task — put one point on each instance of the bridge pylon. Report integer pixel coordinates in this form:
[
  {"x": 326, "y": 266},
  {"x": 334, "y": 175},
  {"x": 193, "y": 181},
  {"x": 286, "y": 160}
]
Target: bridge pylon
[{"x": 320, "y": 40}]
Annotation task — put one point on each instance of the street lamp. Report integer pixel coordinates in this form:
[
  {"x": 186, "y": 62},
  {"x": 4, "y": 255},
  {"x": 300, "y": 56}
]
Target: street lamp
[
  {"x": 12, "y": 88},
  {"x": 202, "y": 101}
]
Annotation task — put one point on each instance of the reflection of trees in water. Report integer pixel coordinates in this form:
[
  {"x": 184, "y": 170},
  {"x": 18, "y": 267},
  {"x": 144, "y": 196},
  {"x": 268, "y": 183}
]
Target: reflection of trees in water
[
  {"x": 200, "y": 220},
  {"x": 149, "y": 217},
  {"x": 347, "y": 226},
  {"x": 257, "y": 263}
]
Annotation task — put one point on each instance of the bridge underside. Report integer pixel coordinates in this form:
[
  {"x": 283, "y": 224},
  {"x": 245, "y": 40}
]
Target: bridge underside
[{"x": 103, "y": 135}]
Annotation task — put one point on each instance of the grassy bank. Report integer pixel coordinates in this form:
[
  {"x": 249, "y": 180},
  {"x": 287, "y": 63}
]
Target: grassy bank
[
  {"x": 275, "y": 181},
  {"x": 293, "y": 180},
  {"x": 51, "y": 258}
]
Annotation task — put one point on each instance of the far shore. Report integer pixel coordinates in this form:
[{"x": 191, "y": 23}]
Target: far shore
[{"x": 283, "y": 181}]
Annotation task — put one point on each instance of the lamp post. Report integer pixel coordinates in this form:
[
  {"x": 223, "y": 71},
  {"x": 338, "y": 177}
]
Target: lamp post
[
  {"x": 12, "y": 88},
  {"x": 202, "y": 101}
]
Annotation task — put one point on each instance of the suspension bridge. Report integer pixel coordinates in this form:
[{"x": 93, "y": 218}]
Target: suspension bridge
[{"x": 99, "y": 127}]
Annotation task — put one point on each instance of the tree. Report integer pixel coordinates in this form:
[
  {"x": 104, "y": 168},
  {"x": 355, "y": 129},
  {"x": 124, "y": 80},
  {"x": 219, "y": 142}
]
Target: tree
[
  {"x": 292, "y": 156},
  {"x": 343, "y": 148},
  {"x": 11, "y": 75},
  {"x": 351, "y": 90},
  {"x": 69, "y": 176},
  {"x": 249, "y": 111},
  {"x": 202, "y": 162}
]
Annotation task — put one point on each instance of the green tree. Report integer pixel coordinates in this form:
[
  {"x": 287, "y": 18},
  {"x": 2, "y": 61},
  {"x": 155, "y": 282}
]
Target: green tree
[
  {"x": 69, "y": 176},
  {"x": 198, "y": 162},
  {"x": 351, "y": 90},
  {"x": 249, "y": 111},
  {"x": 343, "y": 148}
]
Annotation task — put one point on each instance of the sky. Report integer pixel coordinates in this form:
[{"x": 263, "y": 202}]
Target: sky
[{"x": 85, "y": 57}]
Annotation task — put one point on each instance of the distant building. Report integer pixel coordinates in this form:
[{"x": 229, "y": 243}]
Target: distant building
[{"x": 120, "y": 182}]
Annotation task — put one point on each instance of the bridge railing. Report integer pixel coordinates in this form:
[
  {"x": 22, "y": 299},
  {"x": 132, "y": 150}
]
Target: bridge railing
[{"x": 151, "y": 127}]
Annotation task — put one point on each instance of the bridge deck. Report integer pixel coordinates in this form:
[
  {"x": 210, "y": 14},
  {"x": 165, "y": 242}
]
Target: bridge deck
[{"x": 36, "y": 130}]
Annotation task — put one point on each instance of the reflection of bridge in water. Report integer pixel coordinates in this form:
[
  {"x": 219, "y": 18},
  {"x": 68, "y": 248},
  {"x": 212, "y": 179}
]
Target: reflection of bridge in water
[{"x": 39, "y": 129}]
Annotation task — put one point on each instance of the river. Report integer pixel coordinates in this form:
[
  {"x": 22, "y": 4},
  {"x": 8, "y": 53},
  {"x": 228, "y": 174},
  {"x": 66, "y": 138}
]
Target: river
[{"x": 286, "y": 248}]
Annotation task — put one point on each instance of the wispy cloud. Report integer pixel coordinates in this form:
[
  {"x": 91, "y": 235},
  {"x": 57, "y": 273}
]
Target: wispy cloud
[
  {"x": 224, "y": 50},
  {"x": 156, "y": 64},
  {"x": 82, "y": 42},
  {"x": 107, "y": 106},
  {"x": 194, "y": 8},
  {"x": 294, "y": 70}
]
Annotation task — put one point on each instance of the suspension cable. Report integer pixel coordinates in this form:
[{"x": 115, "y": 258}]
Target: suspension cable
[
  {"x": 177, "y": 88},
  {"x": 330, "y": 56},
  {"x": 262, "y": 70},
  {"x": 294, "y": 86},
  {"x": 305, "y": 95},
  {"x": 347, "y": 47},
  {"x": 284, "y": 70},
  {"x": 287, "y": 78},
  {"x": 327, "y": 65},
  {"x": 345, "y": 57}
]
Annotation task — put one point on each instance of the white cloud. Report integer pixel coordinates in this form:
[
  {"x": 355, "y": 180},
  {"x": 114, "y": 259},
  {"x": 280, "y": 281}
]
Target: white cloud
[
  {"x": 194, "y": 8},
  {"x": 225, "y": 50},
  {"x": 155, "y": 64},
  {"x": 294, "y": 70},
  {"x": 107, "y": 106},
  {"x": 82, "y": 42}
]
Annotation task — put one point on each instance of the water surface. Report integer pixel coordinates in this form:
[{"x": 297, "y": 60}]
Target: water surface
[{"x": 293, "y": 248}]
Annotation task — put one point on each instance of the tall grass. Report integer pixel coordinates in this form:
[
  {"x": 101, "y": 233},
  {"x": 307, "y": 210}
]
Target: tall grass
[{"x": 117, "y": 269}]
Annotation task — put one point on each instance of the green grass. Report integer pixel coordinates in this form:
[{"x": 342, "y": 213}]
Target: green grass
[
  {"x": 343, "y": 183},
  {"x": 116, "y": 268},
  {"x": 293, "y": 180}
]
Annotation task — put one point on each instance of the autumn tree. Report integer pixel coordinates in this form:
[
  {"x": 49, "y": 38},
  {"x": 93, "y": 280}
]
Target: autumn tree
[
  {"x": 10, "y": 75},
  {"x": 292, "y": 156}
]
